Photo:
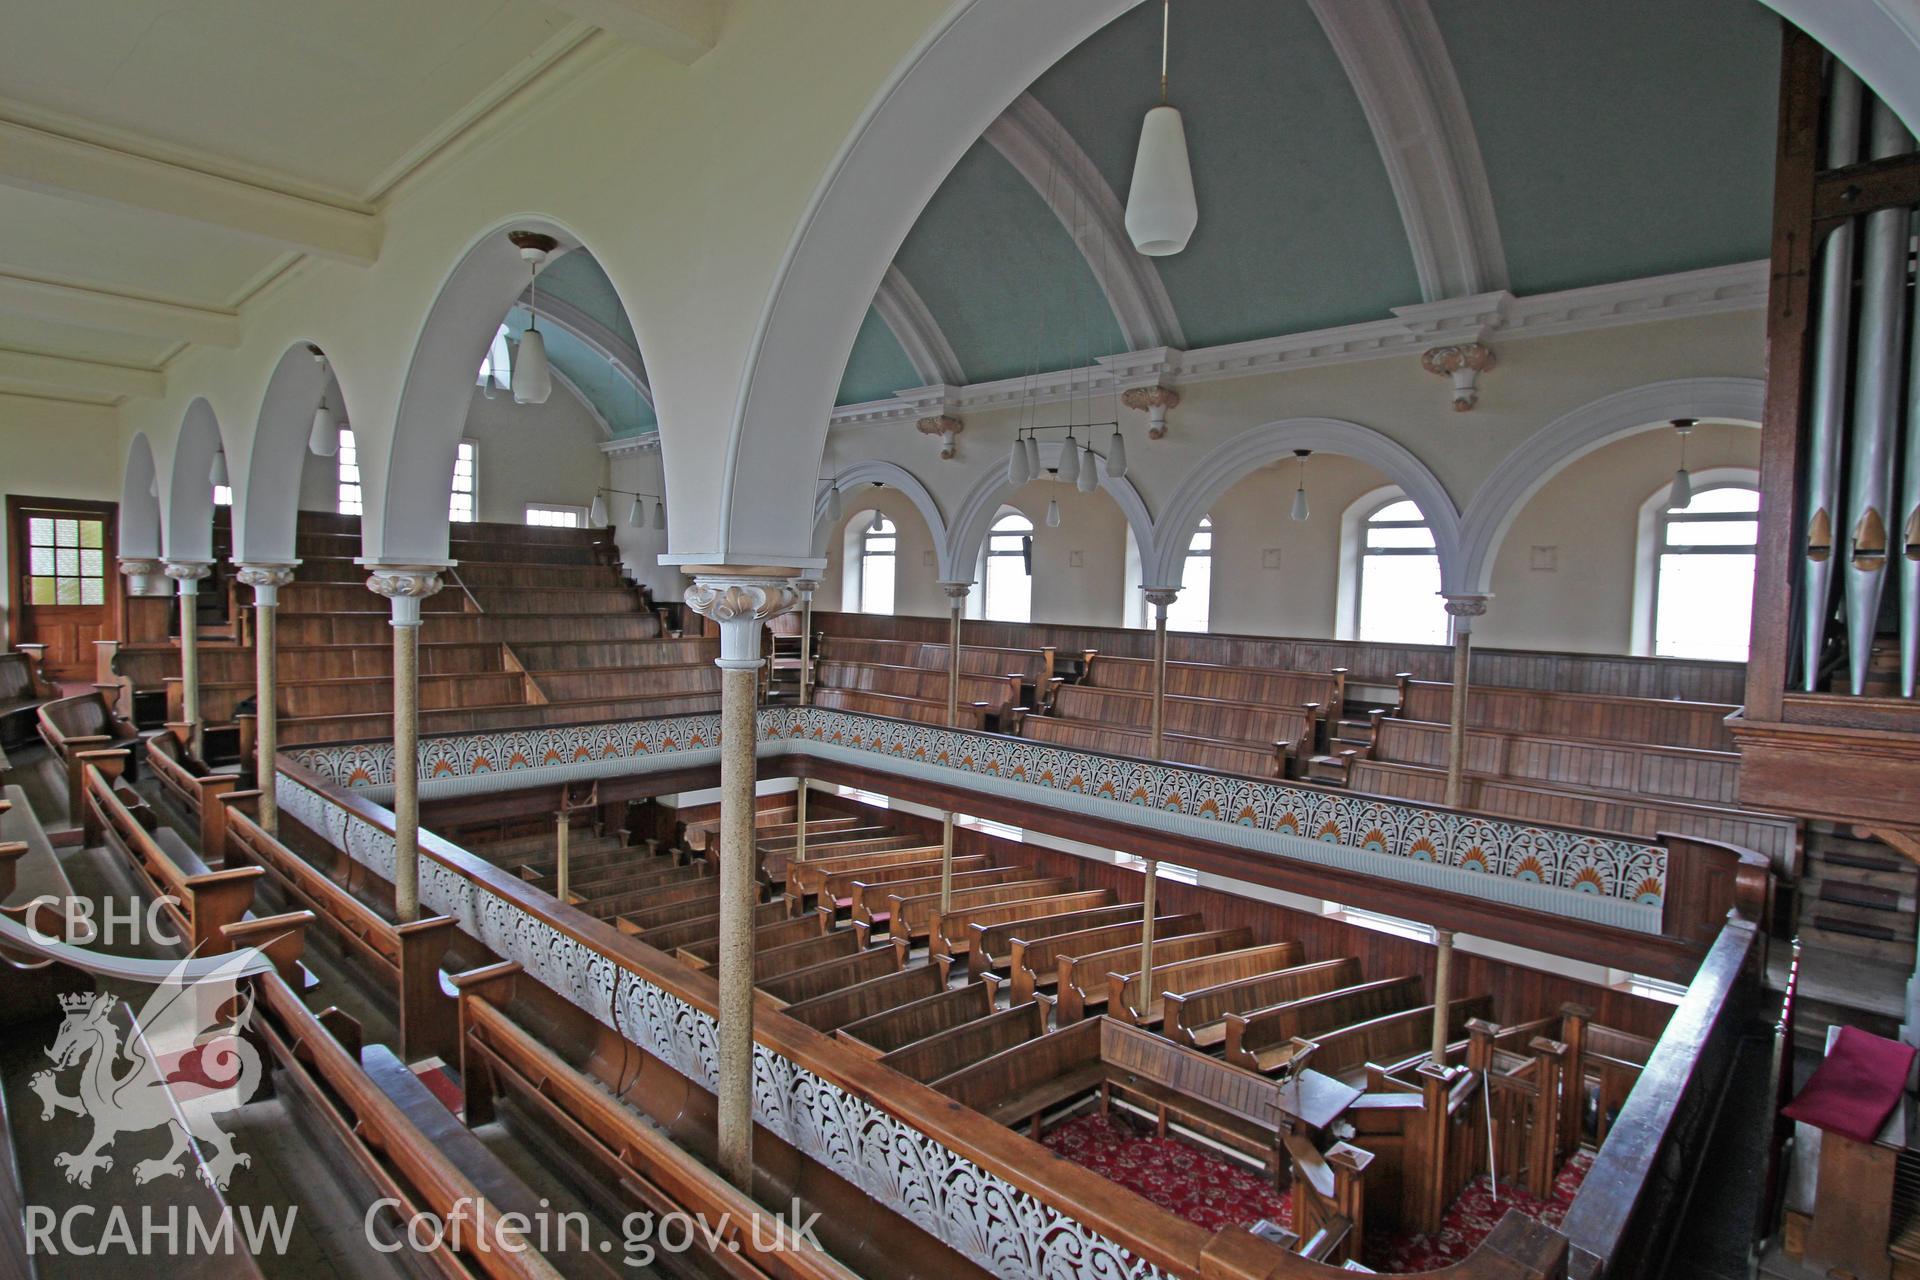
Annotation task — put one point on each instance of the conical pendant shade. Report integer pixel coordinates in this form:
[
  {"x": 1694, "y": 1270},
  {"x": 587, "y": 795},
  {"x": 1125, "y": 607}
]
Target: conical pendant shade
[
  {"x": 1681, "y": 497},
  {"x": 1070, "y": 462},
  {"x": 1300, "y": 504},
  {"x": 1017, "y": 472},
  {"x": 324, "y": 440},
  {"x": 1033, "y": 457},
  {"x": 1089, "y": 477},
  {"x": 1117, "y": 456},
  {"x": 597, "y": 513},
  {"x": 634, "y": 517},
  {"x": 1053, "y": 513},
  {"x": 660, "y": 513},
  {"x": 878, "y": 521},
  {"x": 532, "y": 381},
  {"x": 218, "y": 472},
  {"x": 835, "y": 508},
  {"x": 1161, "y": 211}
]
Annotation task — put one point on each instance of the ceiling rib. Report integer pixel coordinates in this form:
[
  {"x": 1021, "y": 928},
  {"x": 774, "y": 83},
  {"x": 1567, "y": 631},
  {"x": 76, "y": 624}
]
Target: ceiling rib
[
  {"x": 683, "y": 30},
  {"x": 62, "y": 373},
  {"x": 1039, "y": 146},
  {"x": 602, "y": 341},
  {"x": 918, "y": 333},
  {"x": 35, "y": 160},
  {"x": 109, "y": 312},
  {"x": 1393, "y": 52}
]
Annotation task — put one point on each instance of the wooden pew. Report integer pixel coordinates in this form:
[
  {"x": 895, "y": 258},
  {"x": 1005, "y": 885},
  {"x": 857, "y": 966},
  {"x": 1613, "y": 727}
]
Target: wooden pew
[
  {"x": 405, "y": 958},
  {"x": 1034, "y": 668},
  {"x": 1197, "y": 1018},
  {"x": 832, "y": 975},
  {"x": 911, "y": 915},
  {"x": 834, "y": 1009},
  {"x": 20, "y": 697},
  {"x": 778, "y": 962},
  {"x": 966, "y": 716},
  {"x": 867, "y": 900},
  {"x": 1556, "y": 714},
  {"x": 1033, "y": 963},
  {"x": 498, "y": 1056},
  {"x": 1264, "y": 1038},
  {"x": 1260, "y": 686},
  {"x": 72, "y": 727},
  {"x": 834, "y": 874},
  {"x": 835, "y": 893},
  {"x": 670, "y": 936},
  {"x": 1082, "y": 735},
  {"x": 1392, "y": 1041},
  {"x": 705, "y": 953},
  {"x": 989, "y": 947},
  {"x": 993, "y": 693},
  {"x": 950, "y": 933},
  {"x": 1124, "y": 989},
  {"x": 1244, "y": 724},
  {"x": 703, "y": 890},
  {"x": 942, "y": 1054},
  {"x": 200, "y": 902},
  {"x": 1081, "y": 978},
  {"x": 916, "y": 1020},
  {"x": 777, "y": 860}
]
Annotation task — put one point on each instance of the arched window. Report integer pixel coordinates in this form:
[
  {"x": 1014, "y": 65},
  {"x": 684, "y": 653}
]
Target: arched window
[
  {"x": 1007, "y": 570},
  {"x": 879, "y": 547},
  {"x": 1398, "y": 578},
  {"x": 1703, "y": 574},
  {"x": 1189, "y": 610}
]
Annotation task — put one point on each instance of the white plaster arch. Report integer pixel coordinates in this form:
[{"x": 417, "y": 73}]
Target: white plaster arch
[
  {"x": 266, "y": 509},
  {"x": 893, "y": 476},
  {"x": 937, "y": 102},
  {"x": 408, "y": 486},
  {"x": 918, "y": 333},
  {"x": 139, "y": 526},
  {"x": 1573, "y": 435},
  {"x": 187, "y": 513},
  {"x": 1234, "y": 459},
  {"x": 1646, "y": 547},
  {"x": 975, "y": 516}
]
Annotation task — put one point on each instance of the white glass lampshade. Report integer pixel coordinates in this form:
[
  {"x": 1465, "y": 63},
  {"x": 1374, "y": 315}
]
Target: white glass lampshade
[
  {"x": 1300, "y": 504},
  {"x": 1070, "y": 462},
  {"x": 1681, "y": 497},
  {"x": 660, "y": 514},
  {"x": 1161, "y": 210},
  {"x": 324, "y": 440},
  {"x": 597, "y": 513},
  {"x": 532, "y": 380},
  {"x": 1117, "y": 456},
  {"x": 153, "y": 487},
  {"x": 835, "y": 508},
  {"x": 218, "y": 471},
  {"x": 1053, "y": 513},
  {"x": 878, "y": 520},
  {"x": 635, "y": 517},
  {"x": 1033, "y": 456},
  {"x": 1089, "y": 476},
  {"x": 1017, "y": 473}
]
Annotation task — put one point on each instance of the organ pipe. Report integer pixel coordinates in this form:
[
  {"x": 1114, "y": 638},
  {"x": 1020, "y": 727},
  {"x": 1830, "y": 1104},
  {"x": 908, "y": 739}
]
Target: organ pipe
[
  {"x": 1827, "y": 411},
  {"x": 1909, "y": 530},
  {"x": 1876, "y": 405}
]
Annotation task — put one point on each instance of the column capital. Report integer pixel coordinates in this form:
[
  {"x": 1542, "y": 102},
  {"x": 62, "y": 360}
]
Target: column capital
[
  {"x": 404, "y": 586},
  {"x": 957, "y": 591},
  {"x": 1463, "y": 609},
  {"x": 1161, "y": 598},
  {"x": 187, "y": 573},
  {"x": 806, "y": 587},
  {"x": 741, "y": 604},
  {"x": 140, "y": 572},
  {"x": 266, "y": 580}
]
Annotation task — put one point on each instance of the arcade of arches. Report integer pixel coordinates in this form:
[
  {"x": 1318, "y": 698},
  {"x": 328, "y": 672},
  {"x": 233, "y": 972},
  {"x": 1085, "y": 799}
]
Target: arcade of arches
[{"x": 1221, "y": 639}]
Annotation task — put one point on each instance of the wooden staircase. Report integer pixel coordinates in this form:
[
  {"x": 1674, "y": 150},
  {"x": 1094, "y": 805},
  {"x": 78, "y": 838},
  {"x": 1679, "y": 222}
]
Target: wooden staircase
[{"x": 1856, "y": 923}]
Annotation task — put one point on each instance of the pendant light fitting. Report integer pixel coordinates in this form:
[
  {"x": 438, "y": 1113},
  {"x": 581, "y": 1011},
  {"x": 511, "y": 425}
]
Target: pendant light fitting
[
  {"x": 1680, "y": 497},
  {"x": 1300, "y": 509},
  {"x": 532, "y": 378}
]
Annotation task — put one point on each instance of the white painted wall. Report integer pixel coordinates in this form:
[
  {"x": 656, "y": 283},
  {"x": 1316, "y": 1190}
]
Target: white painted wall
[{"x": 53, "y": 449}]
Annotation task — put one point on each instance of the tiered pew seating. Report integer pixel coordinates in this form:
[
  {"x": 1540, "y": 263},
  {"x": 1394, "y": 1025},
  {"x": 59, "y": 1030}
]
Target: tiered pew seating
[
  {"x": 911, "y": 915},
  {"x": 1289, "y": 731},
  {"x": 866, "y": 702},
  {"x": 990, "y": 946},
  {"x": 833, "y": 891},
  {"x": 1202, "y": 753},
  {"x": 1198, "y": 1018},
  {"x": 1595, "y": 717},
  {"x": 704, "y": 953},
  {"x": 950, "y": 933},
  {"x": 1275, "y": 1029},
  {"x": 20, "y": 697},
  {"x": 1344, "y": 1052},
  {"x": 870, "y": 911},
  {"x": 1258, "y": 686},
  {"x": 190, "y": 783},
  {"x": 1125, "y": 989},
  {"x": 936, "y": 1057},
  {"x": 1080, "y": 980},
  {"x": 676, "y": 929},
  {"x": 833, "y": 1009},
  {"x": 920, "y": 693},
  {"x": 830, "y": 975},
  {"x": 1032, "y": 670},
  {"x": 915, "y": 1020}
]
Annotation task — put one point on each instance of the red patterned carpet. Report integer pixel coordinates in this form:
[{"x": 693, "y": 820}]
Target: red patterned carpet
[{"x": 1213, "y": 1193}]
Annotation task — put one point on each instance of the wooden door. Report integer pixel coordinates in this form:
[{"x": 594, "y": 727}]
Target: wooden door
[{"x": 64, "y": 579}]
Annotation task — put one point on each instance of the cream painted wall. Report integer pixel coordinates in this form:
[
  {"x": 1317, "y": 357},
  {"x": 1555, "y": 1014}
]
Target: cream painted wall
[
  {"x": 916, "y": 588},
  {"x": 53, "y": 449},
  {"x": 1093, "y": 591},
  {"x": 539, "y": 453},
  {"x": 1586, "y": 521},
  {"x": 638, "y": 472},
  {"x": 1252, "y": 523}
]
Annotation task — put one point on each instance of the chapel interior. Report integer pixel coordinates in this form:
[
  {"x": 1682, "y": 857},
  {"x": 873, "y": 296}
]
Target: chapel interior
[{"x": 1110, "y": 639}]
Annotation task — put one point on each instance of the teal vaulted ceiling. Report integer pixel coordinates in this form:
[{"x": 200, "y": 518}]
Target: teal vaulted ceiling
[
  {"x": 1619, "y": 139},
  {"x": 578, "y": 283}
]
